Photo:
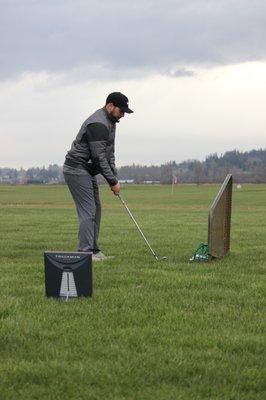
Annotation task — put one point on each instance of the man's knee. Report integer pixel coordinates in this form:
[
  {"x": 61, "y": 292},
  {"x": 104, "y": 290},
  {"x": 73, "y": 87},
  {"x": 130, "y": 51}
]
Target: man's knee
[{"x": 87, "y": 217}]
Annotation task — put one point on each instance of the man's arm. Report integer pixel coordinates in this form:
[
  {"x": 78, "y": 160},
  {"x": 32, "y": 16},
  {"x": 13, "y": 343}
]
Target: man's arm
[
  {"x": 112, "y": 158},
  {"x": 97, "y": 137}
]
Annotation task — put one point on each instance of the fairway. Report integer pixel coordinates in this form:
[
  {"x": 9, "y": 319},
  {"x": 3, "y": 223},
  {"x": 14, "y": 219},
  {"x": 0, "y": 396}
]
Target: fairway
[{"x": 152, "y": 330}]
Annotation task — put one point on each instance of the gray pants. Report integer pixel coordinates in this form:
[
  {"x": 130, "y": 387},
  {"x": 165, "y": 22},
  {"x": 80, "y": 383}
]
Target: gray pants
[{"x": 85, "y": 192}]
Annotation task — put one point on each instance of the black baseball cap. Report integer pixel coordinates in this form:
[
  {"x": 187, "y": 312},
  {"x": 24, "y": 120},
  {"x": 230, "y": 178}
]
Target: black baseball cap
[{"x": 119, "y": 100}]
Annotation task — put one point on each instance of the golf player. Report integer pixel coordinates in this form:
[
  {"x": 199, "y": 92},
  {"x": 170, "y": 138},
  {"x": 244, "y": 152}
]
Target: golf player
[{"x": 92, "y": 153}]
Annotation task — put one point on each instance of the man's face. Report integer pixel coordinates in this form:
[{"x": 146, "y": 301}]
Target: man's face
[{"x": 116, "y": 112}]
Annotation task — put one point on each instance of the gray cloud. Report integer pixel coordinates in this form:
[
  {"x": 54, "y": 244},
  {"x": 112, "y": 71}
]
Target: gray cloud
[
  {"x": 126, "y": 38},
  {"x": 181, "y": 72}
]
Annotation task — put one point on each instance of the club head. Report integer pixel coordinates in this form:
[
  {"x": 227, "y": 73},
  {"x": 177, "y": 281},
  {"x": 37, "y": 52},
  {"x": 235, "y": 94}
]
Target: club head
[{"x": 161, "y": 258}]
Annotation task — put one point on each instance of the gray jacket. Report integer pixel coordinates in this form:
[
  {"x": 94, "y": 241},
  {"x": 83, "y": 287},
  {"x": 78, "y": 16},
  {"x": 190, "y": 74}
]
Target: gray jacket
[{"x": 93, "y": 149}]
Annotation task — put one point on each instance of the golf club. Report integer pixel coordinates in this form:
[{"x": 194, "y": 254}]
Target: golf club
[{"x": 140, "y": 231}]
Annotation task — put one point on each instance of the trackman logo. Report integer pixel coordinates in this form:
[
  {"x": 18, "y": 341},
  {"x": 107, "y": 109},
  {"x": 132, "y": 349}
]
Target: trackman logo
[{"x": 66, "y": 256}]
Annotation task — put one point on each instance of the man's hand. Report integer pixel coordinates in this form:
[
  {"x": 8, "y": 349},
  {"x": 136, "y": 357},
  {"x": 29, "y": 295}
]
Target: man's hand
[{"x": 116, "y": 189}]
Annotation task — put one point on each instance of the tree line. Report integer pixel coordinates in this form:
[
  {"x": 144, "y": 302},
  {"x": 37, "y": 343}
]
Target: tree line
[{"x": 246, "y": 167}]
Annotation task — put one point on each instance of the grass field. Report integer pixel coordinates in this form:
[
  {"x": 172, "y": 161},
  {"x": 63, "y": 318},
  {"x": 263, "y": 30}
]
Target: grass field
[{"x": 153, "y": 330}]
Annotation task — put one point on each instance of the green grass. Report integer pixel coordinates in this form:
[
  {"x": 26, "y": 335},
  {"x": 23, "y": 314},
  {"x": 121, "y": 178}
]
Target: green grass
[{"x": 166, "y": 330}]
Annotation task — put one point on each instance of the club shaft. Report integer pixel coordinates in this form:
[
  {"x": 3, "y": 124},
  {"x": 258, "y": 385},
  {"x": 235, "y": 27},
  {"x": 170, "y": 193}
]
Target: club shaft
[{"x": 137, "y": 225}]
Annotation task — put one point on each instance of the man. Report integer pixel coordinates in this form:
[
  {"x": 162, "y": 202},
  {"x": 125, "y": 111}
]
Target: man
[{"x": 92, "y": 153}]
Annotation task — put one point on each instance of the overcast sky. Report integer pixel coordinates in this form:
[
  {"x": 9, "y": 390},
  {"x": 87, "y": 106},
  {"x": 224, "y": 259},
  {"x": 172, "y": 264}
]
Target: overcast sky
[{"x": 194, "y": 72}]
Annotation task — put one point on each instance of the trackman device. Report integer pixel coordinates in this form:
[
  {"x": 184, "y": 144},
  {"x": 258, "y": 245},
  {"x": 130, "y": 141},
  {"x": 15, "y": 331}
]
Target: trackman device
[{"x": 68, "y": 275}]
